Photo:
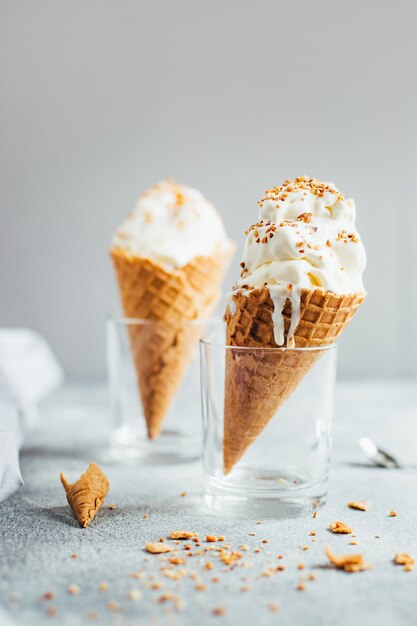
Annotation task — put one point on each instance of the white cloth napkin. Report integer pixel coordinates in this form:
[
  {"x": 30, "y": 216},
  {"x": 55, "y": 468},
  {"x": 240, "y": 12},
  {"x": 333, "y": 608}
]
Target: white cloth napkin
[{"x": 28, "y": 373}]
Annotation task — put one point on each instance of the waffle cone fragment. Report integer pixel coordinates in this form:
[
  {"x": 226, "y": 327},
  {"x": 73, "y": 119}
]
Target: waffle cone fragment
[
  {"x": 257, "y": 383},
  {"x": 162, "y": 351},
  {"x": 87, "y": 494}
]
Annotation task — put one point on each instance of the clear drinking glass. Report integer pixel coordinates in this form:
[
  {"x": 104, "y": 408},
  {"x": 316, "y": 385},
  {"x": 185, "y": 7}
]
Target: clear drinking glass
[
  {"x": 267, "y": 416},
  {"x": 154, "y": 383}
]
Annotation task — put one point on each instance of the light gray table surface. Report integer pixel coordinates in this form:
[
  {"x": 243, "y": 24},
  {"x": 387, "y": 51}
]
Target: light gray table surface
[{"x": 39, "y": 533}]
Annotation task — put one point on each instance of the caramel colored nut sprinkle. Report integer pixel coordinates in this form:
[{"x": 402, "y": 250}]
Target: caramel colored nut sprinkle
[
  {"x": 157, "y": 548},
  {"x": 301, "y": 587},
  {"x": 183, "y": 534},
  {"x": 114, "y": 607},
  {"x": 403, "y": 559},
  {"x": 208, "y": 565},
  {"x": 221, "y": 538},
  {"x": 134, "y": 594},
  {"x": 314, "y": 514},
  {"x": 301, "y": 566},
  {"x": 340, "y": 527},
  {"x": 274, "y": 608},
  {"x": 211, "y": 538},
  {"x": 103, "y": 586},
  {"x": 408, "y": 567},
  {"x": 73, "y": 589},
  {"x": 312, "y": 577},
  {"x": 183, "y": 494},
  {"x": 112, "y": 506},
  {"x": 393, "y": 514},
  {"x": 219, "y": 611},
  {"x": 265, "y": 540},
  {"x": 349, "y": 562},
  {"x": 200, "y": 587},
  {"x": 312, "y": 533},
  {"x": 359, "y": 505}
]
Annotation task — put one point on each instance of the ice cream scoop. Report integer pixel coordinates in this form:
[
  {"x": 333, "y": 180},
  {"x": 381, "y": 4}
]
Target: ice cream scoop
[
  {"x": 305, "y": 238},
  {"x": 171, "y": 224}
]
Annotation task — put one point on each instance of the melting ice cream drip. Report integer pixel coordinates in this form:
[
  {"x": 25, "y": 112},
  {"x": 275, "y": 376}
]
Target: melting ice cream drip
[{"x": 279, "y": 295}]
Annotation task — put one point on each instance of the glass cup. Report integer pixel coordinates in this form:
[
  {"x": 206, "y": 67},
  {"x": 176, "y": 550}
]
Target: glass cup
[
  {"x": 154, "y": 385},
  {"x": 267, "y": 416}
]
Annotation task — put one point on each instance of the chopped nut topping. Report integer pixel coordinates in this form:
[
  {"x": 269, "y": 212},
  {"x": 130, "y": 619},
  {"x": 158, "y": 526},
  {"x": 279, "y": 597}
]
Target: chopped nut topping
[
  {"x": 358, "y": 505},
  {"x": 305, "y": 217},
  {"x": 211, "y": 538},
  {"x": 340, "y": 527},
  {"x": 157, "y": 548},
  {"x": 393, "y": 514},
  {"x": 349, "y": 562},
  {"x": 274, "y": 608},
  {"x": 103, "y": 586},
  {"x": 112, "y": 506},
  {"x": 73, "y": 589}
]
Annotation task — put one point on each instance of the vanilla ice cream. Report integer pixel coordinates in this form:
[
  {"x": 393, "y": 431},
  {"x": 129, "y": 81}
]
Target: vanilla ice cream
[
  {"x": 305, "y": 239},
  {"x": 172, "y": 224}
]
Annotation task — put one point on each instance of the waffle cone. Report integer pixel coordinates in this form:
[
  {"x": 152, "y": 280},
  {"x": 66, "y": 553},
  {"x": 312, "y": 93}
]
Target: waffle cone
[
  {"x": 162, "y": 350},
  {"x": 257, "y": 383}
]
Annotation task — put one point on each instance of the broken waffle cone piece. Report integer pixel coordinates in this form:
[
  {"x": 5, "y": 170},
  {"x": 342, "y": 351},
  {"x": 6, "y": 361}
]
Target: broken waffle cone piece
[
  {"x": 348, "y": 562},
  {"x": 258, "y": 382},
  {"x": 162, "y": 350},
  {"x": 87, "y": 494}
]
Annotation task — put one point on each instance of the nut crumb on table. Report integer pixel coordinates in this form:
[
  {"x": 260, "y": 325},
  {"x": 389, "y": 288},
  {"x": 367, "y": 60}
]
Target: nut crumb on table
[
  {"x": 340, "y": 527},
  {"x": 359, "y": 505}
]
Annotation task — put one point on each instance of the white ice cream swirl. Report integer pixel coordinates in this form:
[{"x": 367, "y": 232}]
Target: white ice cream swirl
[
  {"x": 172, "y": 224},
  {"x": 305, "y": 239}
]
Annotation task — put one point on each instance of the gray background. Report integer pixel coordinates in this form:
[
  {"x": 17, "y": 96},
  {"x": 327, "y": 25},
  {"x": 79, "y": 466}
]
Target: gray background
[{"x": 100, "y": 98}]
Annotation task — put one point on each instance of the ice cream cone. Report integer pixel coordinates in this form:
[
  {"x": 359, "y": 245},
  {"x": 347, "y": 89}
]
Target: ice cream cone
[
  {"x": 163, "y": 349},
  {"x": 258, "y": 382}
]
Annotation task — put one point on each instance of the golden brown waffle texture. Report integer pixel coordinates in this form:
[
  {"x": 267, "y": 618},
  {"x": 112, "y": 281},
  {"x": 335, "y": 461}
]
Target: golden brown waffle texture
[
  {"x": 87, "y": 494},
  {"x": 258, "y": 382},
  {"x": 162, "y": 351}
]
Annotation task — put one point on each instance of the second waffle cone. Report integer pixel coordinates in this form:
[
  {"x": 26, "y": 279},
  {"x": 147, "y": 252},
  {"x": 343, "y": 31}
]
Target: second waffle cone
[{"x": 163, "y": 349}]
